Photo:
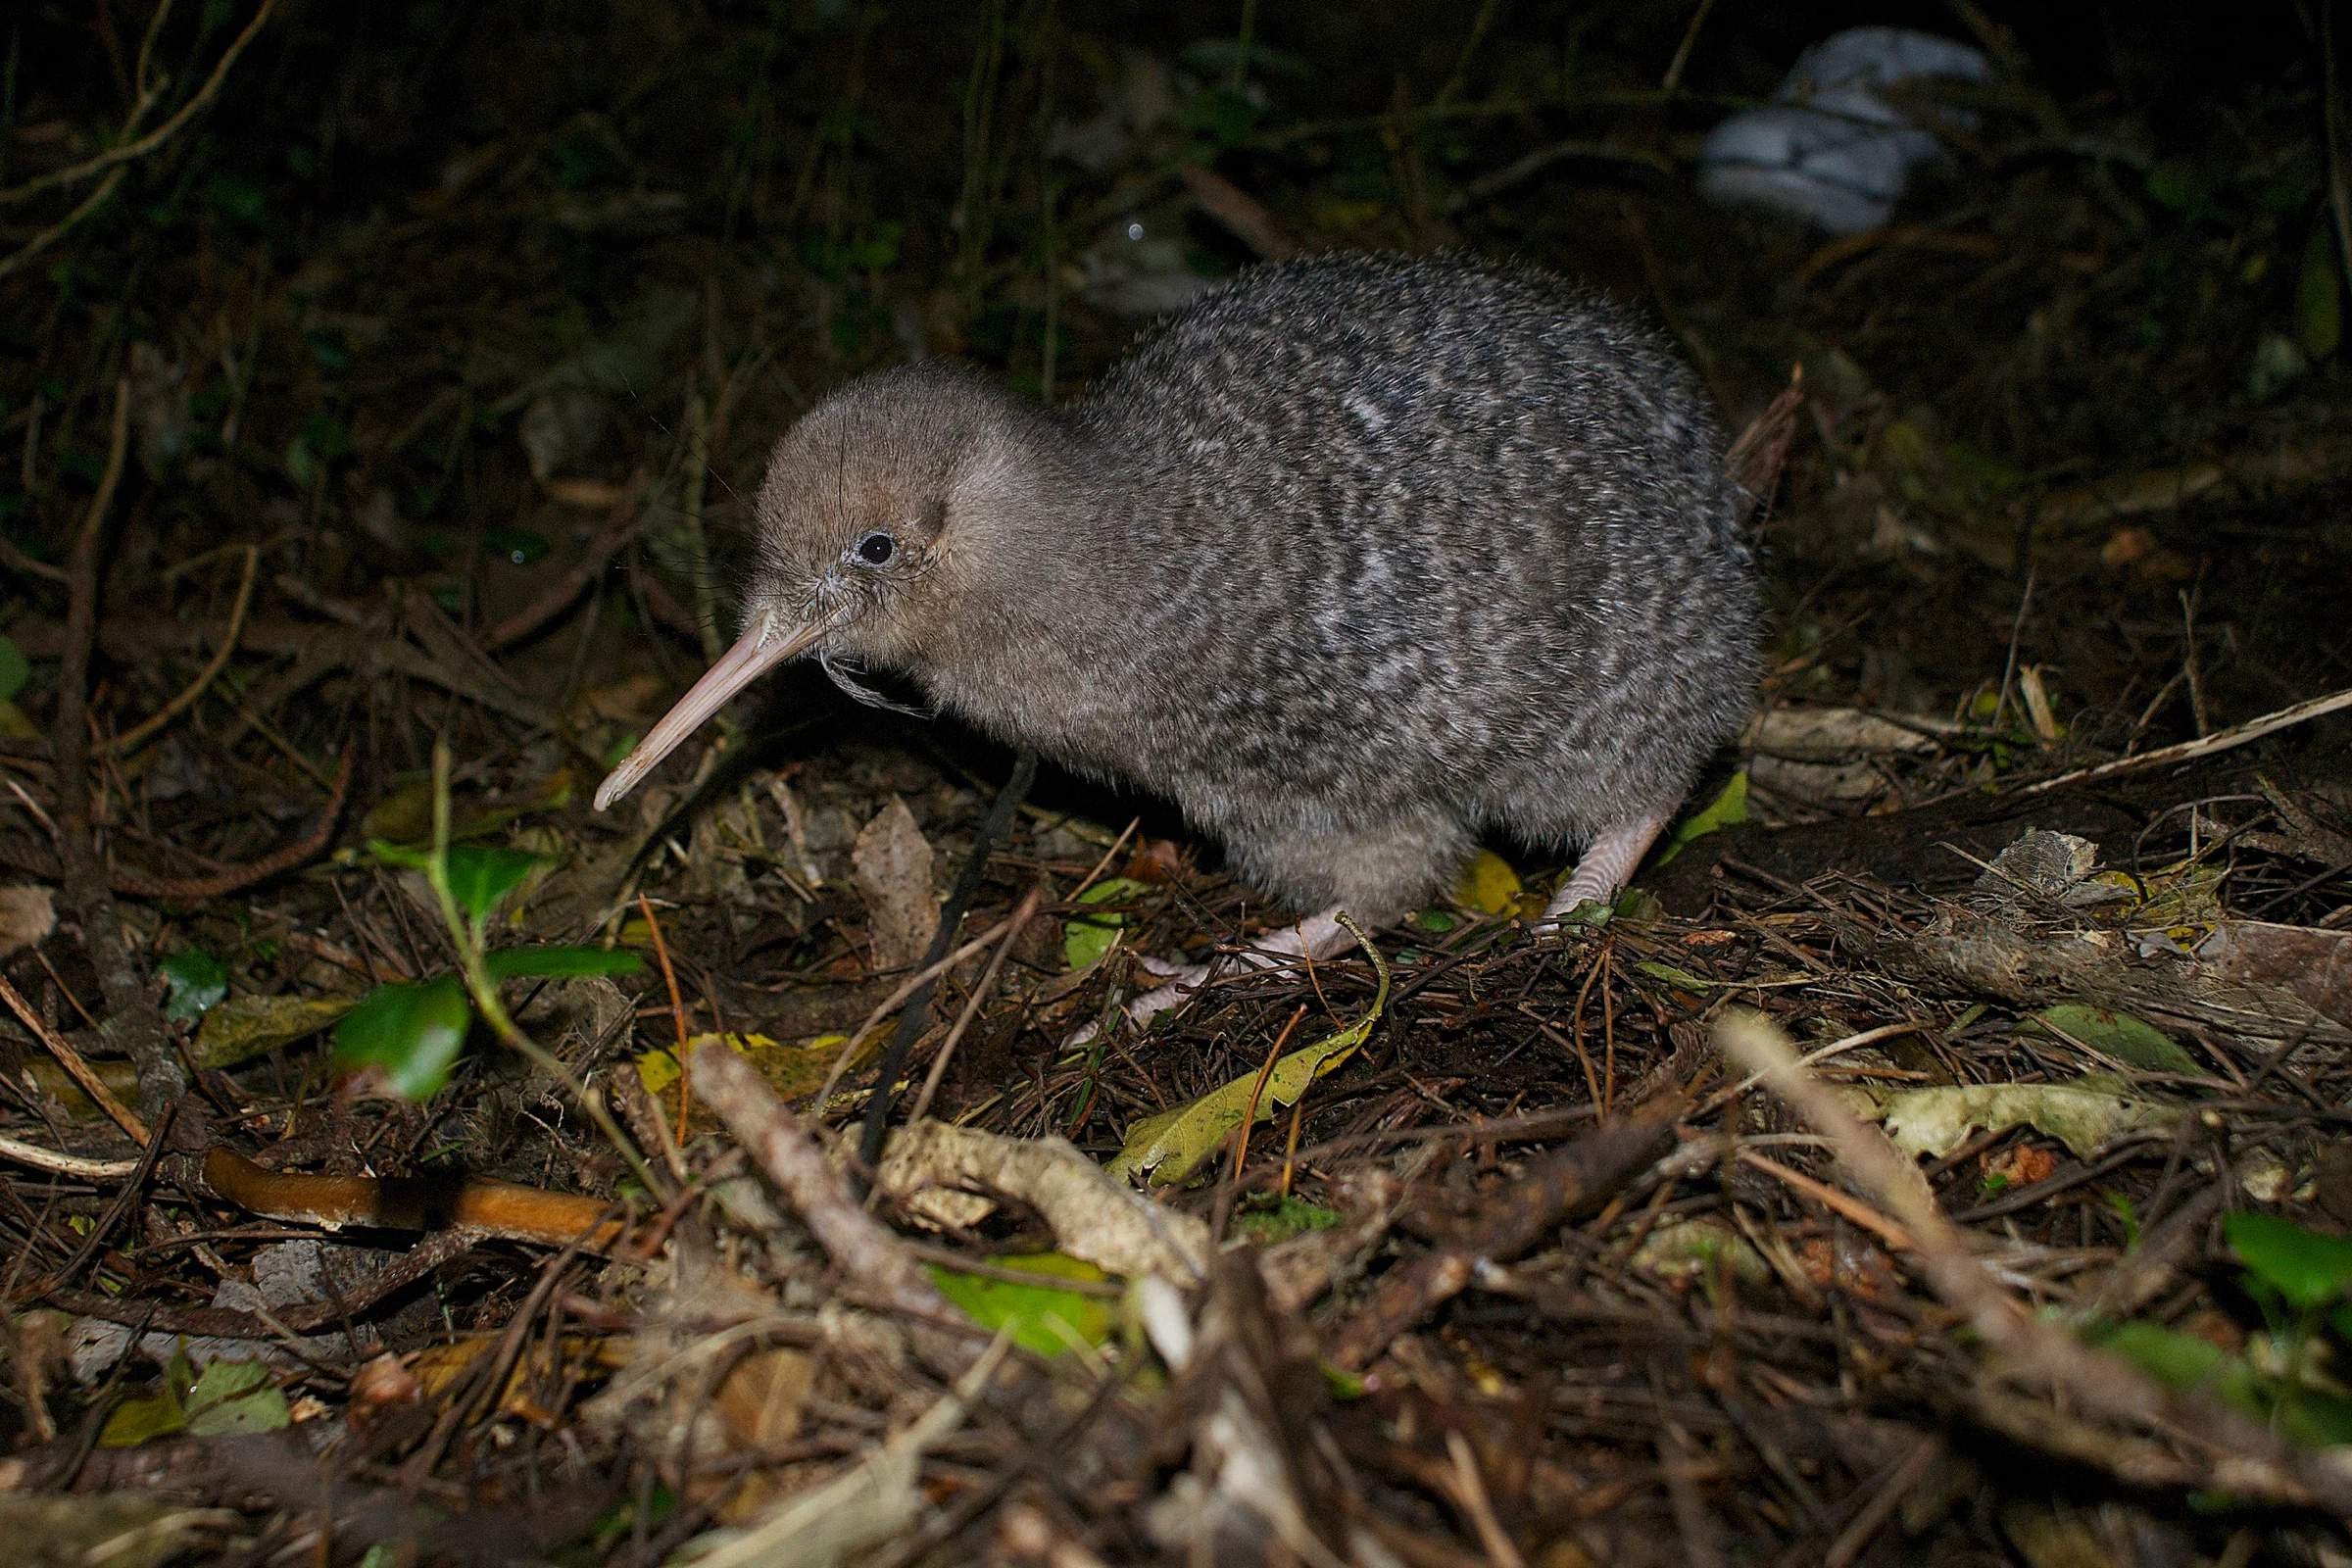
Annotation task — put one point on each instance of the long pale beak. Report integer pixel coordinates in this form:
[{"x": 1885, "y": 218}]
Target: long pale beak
[{"x": 753, "y": 655}]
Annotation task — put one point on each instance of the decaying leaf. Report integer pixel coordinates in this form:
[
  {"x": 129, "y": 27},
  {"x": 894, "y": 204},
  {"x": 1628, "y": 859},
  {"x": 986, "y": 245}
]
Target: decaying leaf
[
  {"x": 243, "y": 1027},
  {"x": 1833, "y": 754},
  {"x": 544, "y": 1365},
  {"x": 1697, "y": 1246},
  {"x": 2310, "y": 964},
  {"x": 2085, "y": 1115},
  {"x": 226, "y": 1397},
  {"x": 792, "y": 1068},
  {"x": 27, "y": 915},
  {"x": 893, "y": 863}
]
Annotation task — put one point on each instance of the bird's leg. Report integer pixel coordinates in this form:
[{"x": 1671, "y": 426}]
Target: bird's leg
[
  {"x": 1318, "y": 936},
  {"x": 1608, "y": 861}
]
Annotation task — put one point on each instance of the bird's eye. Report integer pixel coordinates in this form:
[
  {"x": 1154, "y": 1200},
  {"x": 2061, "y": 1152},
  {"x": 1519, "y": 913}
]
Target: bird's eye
[{"x": 876, "y": 549}]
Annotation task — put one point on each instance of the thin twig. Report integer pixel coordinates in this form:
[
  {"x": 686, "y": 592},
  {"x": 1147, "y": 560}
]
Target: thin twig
[
  {"x": 2237, "y": 735},
  {"x": 78, "y": 1166},
  {"x": 926, "y": 976},
  {"x": 65, "y": 226},
  {"x": 132, "y": 1017},
  {"x": 155, "y": 139},
  {"x": 130, "y": 739},
  {"x": 993, "y": 828},
  {"x": 677, "y": 1007},
  {"x": 1013, "y": 926},
  {"x": 75, "y": 1068}
]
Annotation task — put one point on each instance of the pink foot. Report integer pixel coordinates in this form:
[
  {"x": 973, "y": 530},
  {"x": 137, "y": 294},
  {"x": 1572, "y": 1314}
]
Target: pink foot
[
  {"x": 1318, "y": 936},
  {"x": 1609, "y": 862}
]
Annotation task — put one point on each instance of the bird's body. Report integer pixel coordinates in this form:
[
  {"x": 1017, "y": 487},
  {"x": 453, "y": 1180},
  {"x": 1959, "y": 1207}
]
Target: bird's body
[{"x": 1354, "y": 559}]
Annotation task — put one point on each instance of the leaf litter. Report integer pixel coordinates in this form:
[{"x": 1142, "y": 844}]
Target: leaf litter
[{"x": 2111, "y": 1068}]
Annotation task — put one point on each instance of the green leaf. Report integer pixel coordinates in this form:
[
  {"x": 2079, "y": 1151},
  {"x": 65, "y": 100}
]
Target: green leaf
[
  {"x": 238, "y": 197},
  {"x": 1729, "y": 809},
  {"x": 1171, "y": 1145},
  {"x": 2309, "y": 1270},
  {"x": 1044, "y": 1318},
  {"x": 561, "y": 963},
  {"x": 2176, "y": 186},
  {"x": 404, "y": 857},
  {"x": 412, "y": 1032},
  {"x": 155, "y": 1415},
  {"x": 193, "y": 980},
  {"x": 14, "y": 670},
  {"x": 1285, "y": 1219},
  {"x": 478, "y": 877},
  {"x": 235, "y": 1397},
  {"x": 142, "y": 1420},
  {"x": 1221, "y": 114},
  {"x": 2316, "y": 1417},
  {"x": 2129, "y": 1040},
  {"x": 328, "y": 350},
  {"x": 1085, "y": 938},
  {"x": 2181, "y": 1361}
]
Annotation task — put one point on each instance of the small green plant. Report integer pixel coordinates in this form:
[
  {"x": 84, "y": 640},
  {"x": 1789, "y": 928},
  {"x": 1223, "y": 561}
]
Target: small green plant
[
  {"x": 414, "y": 1030},
  {"x": 193, "y": 980},
  {"x": 2289, "y": 1375}
]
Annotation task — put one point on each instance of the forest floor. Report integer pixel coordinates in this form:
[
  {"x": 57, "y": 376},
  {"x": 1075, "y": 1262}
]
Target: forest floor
[{"x": 1941, "y": 1158}]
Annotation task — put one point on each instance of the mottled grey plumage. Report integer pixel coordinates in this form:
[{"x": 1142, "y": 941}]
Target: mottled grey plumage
[{"x": 1353, "y": 558}]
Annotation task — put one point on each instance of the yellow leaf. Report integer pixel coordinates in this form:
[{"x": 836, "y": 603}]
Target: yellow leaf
[
  {"x": 791, "y": 1070},
  {"x": 1489, "y": 885}
]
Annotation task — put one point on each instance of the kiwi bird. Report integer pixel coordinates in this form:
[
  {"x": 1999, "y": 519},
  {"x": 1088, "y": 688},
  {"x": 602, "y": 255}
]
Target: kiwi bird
[{"x": 1355, "y": 558}]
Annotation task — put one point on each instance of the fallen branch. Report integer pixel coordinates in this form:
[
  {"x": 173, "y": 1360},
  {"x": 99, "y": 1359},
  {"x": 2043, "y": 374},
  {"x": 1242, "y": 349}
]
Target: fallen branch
[
  {"x": 1092, "y": 1216},
  {"x": 786, "y": 1148},
  {"x": 1576, "y": 1177}
]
